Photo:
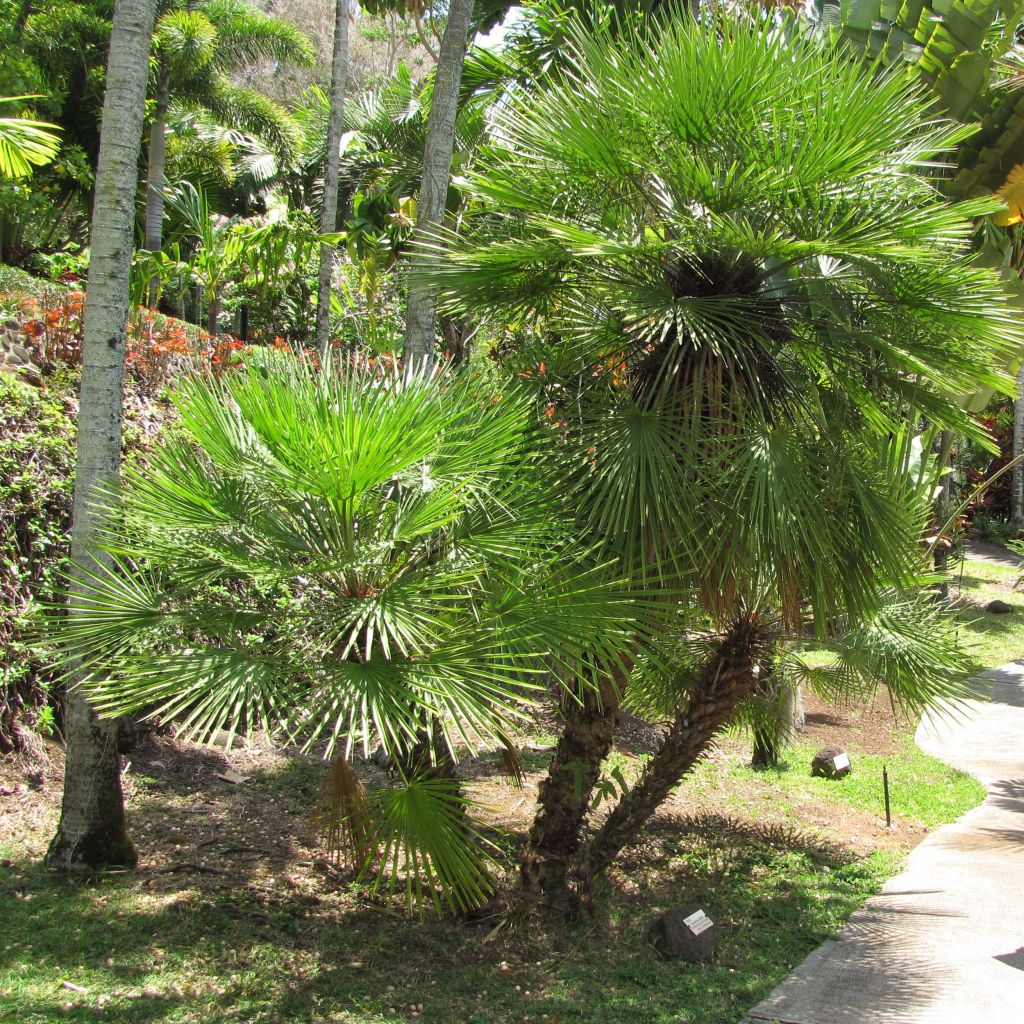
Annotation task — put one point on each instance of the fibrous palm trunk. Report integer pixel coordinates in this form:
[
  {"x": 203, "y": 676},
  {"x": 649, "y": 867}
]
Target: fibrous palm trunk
[
  {"x": 563, "y": 798},
  {"x": 421, "y": 318},
  {"x": 329, "y": 211},
  {"x": 156, "y": 177},
  {"x": 766, "y": 751},
  {"x": 783, "y": 719},
  {"x": 92, "y": 831},
  {"x": 727, "y": 678}
]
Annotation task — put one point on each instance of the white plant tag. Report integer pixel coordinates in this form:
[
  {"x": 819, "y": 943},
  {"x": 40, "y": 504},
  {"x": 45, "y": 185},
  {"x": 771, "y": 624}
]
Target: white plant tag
[
  {"x": 698, "y": 922},
  {"x": 841, "y": 761}
]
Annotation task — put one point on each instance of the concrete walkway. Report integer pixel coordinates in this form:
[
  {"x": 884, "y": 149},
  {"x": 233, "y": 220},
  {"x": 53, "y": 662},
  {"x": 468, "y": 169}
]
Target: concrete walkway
[{"x": 944, "y": 941}]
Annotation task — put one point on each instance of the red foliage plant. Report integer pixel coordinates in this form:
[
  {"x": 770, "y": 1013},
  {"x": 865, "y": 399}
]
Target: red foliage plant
[{"x": 159, "y": 347}]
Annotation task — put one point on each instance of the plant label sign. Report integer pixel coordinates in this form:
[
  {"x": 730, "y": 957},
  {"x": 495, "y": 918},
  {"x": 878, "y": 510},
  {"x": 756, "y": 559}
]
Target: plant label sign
[
  {"x": 840, "y": 761},
  {"x": 698, "y": 922}
]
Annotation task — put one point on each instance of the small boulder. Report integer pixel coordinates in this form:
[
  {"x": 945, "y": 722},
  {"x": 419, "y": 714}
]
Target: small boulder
[
  {"x": 998, "y": 607},
  {"x": 831, "y": 763},
  {"x": 686, "y": 932}
]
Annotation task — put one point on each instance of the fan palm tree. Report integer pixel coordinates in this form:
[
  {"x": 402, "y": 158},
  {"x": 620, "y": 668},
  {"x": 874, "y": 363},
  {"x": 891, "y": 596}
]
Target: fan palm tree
[
  {"x": 92, "y": 832},
  {"x": 730, "y": 280},
  {"x": 341, "y": 555},
  {"x": 200, "y": 48}
]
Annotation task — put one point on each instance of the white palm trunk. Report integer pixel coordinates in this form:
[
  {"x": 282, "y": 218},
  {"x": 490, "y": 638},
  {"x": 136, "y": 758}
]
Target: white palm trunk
[
  {"x": 156, "y": 176},
  {"x": 329, "y": 212},
  {"x": 421, "y": 318},
  {"x": 92, "y": 831}
]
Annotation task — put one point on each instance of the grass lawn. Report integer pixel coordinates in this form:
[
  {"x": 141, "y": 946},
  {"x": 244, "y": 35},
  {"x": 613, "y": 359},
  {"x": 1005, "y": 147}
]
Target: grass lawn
[
  {"x": 993, "y": 639},
  {"x": 920, "y": 787},
  {"x": 265, "y": 952},
  {"x": 270, "y": 932}
]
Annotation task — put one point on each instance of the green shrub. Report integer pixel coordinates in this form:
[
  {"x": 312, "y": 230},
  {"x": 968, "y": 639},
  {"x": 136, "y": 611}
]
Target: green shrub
[
  {"x": 37, "y": 470},
  {"x": 16, "y": 284},
  {"x": 37, "y": 453}
]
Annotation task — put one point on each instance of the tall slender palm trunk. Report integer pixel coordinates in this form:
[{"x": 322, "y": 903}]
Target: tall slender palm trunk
[
  {"x": 421, "y": 318},
  {"x": 943, "y": 501},
  {"x": 156, "y": 177},
  {"x": 92, "y": 832},
  {"x": 213, "y": 315},
  {"x": 728, "y": 677},
  {"x": 1017, "y": 500},
  {"x": 329, "y": 211}
]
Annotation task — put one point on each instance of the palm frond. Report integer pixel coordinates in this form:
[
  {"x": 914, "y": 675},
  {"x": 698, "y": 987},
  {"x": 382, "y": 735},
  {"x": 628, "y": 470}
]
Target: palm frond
[
  {"x": 910, "y": 645},
  {"x": 25, "y": 143}
]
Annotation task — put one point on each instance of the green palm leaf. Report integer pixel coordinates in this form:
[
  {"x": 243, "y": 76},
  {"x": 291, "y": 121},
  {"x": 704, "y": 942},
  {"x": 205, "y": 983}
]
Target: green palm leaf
[{"x": 25, "y": 143}]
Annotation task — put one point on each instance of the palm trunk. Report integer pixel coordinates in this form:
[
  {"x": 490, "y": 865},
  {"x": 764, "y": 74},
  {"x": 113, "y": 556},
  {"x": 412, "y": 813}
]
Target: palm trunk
[
  {"x": 421, "y": 318},
  {"x": 942, "y": 503},
  {"x": 728, "y": 677},
  {"x": 457, "y": 339},
  {"x": 92, "y": 831},
  {"x": 156, "y": 176},
  {"x": 213, "y": 314},
  {"x": 766, "y": 749},
  {"x": 329, "y": 212},
  {"x": 563, "y": 799},
  {"x": 1017, "y": 511},
  {"x": 785, "y": 718}
]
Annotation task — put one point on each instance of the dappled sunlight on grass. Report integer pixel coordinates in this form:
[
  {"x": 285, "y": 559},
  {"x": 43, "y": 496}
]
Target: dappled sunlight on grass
[
  {"x": 991, "y": 639},
  {"x": 249, "y": 954}
]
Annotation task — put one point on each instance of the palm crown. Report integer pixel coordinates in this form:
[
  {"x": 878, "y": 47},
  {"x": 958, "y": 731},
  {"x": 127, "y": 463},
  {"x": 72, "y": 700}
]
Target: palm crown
[
  {"x": 200, "y": 47},
  {"x": 338, "y": 554},
  {"x": 728, "y": 253}
]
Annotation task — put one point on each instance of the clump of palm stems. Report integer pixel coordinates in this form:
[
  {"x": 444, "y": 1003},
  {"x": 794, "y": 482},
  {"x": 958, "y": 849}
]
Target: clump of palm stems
[{"x": 734, "y": 278}]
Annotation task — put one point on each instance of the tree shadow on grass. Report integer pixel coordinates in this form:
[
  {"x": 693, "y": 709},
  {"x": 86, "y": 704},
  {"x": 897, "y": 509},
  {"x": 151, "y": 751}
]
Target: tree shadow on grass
[
  {"x": 977, "y": 620},
  {"x": 282, "y": 938},
  {"x": 969, "y": 581},
  {"x": 306, "y": 948}
]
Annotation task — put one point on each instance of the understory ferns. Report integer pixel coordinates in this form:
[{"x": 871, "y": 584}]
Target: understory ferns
[
  {"x": 349, "y": 557},
  {"x": 724, "y": 263}
]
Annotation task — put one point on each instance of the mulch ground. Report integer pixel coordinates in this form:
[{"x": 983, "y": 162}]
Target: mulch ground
[
  {"x": 211, "y": 813},
  {"x": 875, "y": 729}
]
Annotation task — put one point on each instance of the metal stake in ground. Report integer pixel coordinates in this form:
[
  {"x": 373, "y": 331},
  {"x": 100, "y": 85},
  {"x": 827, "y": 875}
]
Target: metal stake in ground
[{"x": 885, "y": 788}]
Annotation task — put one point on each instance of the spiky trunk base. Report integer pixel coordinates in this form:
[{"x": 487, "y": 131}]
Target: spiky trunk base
[
  {"x": 728, "y": 677},
  {"x": 563, "y": 798}
]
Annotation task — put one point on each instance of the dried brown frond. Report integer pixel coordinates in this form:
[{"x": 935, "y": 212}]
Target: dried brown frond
[
  {"x": 343, "y": 817},
  {"x": 511, "y": 763}
]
